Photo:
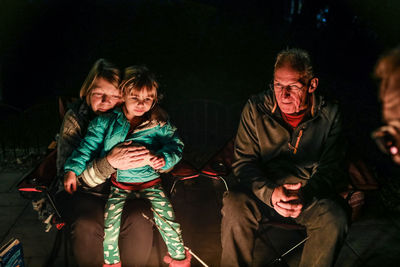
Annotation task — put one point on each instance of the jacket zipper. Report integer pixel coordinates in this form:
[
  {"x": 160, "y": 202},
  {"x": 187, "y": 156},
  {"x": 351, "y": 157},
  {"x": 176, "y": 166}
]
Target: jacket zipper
[{"x": 298, "y": 141}]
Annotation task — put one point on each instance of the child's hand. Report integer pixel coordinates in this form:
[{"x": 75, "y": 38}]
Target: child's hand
[
  {"x": 70, "y": 182},
  {"x": 157, "y": 162}
]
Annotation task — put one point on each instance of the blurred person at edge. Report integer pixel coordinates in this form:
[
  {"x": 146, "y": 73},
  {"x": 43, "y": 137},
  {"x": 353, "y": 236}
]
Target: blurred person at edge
[
  {"x": 84, "y": 211},
  {"x": 387, "y": 70}
]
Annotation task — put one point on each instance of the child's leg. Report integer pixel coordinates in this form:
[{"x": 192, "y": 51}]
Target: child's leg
[
  {"x": 164, "y": 218},
  {"x": 112, "y": 223}
]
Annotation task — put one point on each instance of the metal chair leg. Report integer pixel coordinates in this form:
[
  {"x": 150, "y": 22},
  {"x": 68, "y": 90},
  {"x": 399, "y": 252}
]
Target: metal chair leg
[
  {"x": 225, "y": 183},
  {"x": 173, "y": 187},
  {"x": 280, "y": 258}
]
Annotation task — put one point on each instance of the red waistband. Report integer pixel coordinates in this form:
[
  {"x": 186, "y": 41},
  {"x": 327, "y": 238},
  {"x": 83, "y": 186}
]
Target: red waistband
[{"x": 134, "y": 186}]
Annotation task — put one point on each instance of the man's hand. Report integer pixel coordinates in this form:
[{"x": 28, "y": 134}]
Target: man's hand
[
  {"x": 127, "y": 156},
  {"x": 157, "y": 162},
  {"x": 70, "y": 182},
  {"x": 286, "y": 201}
]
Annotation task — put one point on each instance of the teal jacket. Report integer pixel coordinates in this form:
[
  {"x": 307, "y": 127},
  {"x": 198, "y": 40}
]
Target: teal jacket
[{"x": 111, "y": 129}]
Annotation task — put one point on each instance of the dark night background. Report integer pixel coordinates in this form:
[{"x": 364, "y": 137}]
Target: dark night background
[{"x": 220, "y": 50}]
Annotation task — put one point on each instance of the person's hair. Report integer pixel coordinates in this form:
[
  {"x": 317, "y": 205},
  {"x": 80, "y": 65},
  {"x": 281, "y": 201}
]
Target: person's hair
[
  {"x": 388, "y": 63},
  {"x": 298, "y": 59},
  {"x": 101, "y": 69},
  {"x": 138, "y": 78}
]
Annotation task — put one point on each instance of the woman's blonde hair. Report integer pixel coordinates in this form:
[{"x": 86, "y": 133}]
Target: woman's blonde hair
[
  {"x": 101, "y": 69},
  {"x": 138, "y": 78}
]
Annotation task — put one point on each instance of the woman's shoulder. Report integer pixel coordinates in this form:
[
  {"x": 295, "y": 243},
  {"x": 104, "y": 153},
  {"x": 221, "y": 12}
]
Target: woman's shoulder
[{"x": 79, "y": 110}]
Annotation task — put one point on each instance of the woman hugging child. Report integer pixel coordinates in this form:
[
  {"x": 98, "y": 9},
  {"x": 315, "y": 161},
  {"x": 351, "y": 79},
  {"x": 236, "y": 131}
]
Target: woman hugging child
[{"x": 143, "y": 122}]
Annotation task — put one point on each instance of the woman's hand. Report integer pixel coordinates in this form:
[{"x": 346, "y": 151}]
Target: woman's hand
[
  {"x": 127, "y": 156},
  {"x": 70, "y": 182}
]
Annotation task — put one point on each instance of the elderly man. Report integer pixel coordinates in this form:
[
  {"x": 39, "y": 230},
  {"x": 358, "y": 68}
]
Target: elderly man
[{"x": 289, "y": 153}]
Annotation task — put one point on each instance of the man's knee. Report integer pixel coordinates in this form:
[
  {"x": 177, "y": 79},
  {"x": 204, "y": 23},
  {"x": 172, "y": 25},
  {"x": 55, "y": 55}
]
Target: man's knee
[
  {"x": 331, "y": 216},
  {"x": 237, "y": 206}
]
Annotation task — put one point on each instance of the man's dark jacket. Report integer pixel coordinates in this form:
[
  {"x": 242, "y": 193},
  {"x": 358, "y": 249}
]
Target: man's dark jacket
[{"x": 268, "y": 152}]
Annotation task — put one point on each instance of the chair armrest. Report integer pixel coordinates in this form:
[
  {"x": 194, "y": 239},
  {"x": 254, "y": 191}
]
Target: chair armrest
[
  {"x": 42, "y": 177},
  {"x": 184, "y": 170}
]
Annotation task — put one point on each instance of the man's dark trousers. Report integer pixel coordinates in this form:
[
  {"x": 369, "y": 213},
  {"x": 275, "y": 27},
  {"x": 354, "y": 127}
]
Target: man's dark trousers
[{"x": 325, "y": 220}]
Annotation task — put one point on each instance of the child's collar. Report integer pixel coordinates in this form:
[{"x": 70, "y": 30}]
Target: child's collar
[{"x": 156, "y": 116}]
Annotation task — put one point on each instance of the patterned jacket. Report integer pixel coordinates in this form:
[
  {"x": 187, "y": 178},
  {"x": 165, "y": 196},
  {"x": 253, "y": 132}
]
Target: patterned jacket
[{"x": 73, "y": 130}]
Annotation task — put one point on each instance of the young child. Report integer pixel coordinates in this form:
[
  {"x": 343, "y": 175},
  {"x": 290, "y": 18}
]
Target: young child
[{"x": 143, "y": 122}]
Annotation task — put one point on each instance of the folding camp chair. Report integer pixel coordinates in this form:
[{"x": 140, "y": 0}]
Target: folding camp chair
[
  {"x": 218, "y": 167},
  {"x": 40, "y": 185},
  {"x": 185, "y": 171},
  {"x": 181, "y": 172}
]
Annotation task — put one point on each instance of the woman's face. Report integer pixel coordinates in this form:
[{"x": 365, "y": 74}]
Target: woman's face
[{"x": 104, "y": 96}]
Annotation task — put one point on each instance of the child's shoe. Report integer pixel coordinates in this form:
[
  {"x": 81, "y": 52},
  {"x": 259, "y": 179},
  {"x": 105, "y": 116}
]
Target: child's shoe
[
  {"x": 112, "y": 265},
  {"x": 178, "y": 263}
]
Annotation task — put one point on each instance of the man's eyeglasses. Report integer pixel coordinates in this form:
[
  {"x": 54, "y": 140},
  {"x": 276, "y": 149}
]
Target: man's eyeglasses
[{"x": 291, "y": 88}]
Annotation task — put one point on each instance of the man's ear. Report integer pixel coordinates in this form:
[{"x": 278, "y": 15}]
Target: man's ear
[{"x": 313, "y": 85}]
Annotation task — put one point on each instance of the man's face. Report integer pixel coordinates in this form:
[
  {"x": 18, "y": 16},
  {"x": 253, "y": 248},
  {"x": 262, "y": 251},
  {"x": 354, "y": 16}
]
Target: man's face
[{"x": 290, "y": 90}]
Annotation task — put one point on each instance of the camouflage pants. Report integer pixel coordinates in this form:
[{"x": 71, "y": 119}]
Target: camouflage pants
[{"x": 163, "y": 216}]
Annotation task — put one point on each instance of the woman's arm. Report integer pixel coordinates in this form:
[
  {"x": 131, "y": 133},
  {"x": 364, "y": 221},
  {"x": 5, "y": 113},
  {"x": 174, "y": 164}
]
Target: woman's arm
[
  {"x": 69, "y": 138},
  {"x": 123, "y": 156}
]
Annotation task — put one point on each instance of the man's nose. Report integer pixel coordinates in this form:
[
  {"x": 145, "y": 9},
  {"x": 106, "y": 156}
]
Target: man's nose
[{"x": 286, "y": 91}]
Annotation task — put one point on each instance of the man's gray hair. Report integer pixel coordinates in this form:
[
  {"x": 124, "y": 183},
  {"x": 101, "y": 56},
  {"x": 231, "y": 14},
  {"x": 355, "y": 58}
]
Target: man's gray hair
[{"x": 297, "y": 59}]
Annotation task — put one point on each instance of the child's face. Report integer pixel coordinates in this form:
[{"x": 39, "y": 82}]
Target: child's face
[
  {"x": 104, "y": 96},
  {"x": 138, "y": 102}
]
